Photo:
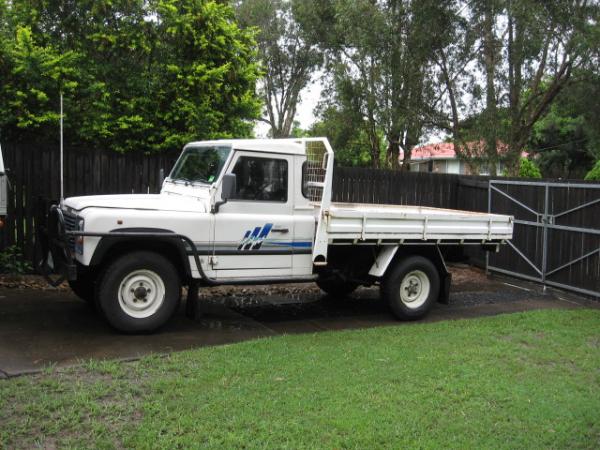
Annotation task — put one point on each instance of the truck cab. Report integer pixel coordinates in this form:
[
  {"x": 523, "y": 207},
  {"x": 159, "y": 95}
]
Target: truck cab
[{"x": 252, "y": 212}]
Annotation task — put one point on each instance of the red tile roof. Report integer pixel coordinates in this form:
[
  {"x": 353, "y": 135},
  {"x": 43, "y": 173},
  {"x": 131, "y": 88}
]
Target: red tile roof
[{"x": 445, "y": 150}]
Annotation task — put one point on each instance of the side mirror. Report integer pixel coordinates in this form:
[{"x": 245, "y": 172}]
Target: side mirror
[{"x": 228, "y": 188}]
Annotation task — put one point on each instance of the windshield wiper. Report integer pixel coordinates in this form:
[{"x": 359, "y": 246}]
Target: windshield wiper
[{"x": 189, "y": 181}]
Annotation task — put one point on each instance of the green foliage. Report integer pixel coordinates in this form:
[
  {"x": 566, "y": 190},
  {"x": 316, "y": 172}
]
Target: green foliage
[
  {"x": 347, "y": 136},
  {"x": 378, "y": 56},
  {"x": 528, "y": 169},
  {"x": 288, "y": 60},
  {"x": 298, "y": 131},
  {"x": 12, "y": 261},
  {"x": 135, "y": 75},
  {"x": 594, "y": 173},
  {"x": 567, "y": 139}
]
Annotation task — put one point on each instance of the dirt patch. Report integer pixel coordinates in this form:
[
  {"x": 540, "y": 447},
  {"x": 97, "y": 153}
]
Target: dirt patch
[
  {"x": 469, "y": 278},
  {"x": 291, "y": 289},
  {"x": 37, "y": 282}
]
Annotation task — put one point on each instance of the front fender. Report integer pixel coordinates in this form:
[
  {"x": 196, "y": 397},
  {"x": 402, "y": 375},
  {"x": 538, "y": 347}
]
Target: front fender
[{"x": 109, "y": 246}]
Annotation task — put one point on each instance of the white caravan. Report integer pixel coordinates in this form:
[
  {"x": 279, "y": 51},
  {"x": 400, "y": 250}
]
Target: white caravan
[{"x": 253, "y": 212}]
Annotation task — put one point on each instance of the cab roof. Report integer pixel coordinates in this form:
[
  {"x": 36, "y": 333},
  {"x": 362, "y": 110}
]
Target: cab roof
[{"x": 288, "y": 146}]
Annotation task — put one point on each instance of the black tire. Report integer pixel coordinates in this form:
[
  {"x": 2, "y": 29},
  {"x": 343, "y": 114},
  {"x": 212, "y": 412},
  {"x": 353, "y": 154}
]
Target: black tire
[
  {"x": 336, "y": 287},
  {"x": 136, "y": 280},
  {"x": 417, "y": 300}
]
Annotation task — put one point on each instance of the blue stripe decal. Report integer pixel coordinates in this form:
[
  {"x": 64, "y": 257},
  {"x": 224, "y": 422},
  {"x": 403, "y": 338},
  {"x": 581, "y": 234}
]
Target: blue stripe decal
[
  {"x": 254, "y": 240},
  {"x": 265, "y": 231},
  {"x": 295, "y": 244}
]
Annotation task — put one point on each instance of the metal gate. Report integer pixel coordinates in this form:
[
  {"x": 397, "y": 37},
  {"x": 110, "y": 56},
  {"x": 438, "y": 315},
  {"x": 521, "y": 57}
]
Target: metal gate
[{"x": 556, "y": 235}]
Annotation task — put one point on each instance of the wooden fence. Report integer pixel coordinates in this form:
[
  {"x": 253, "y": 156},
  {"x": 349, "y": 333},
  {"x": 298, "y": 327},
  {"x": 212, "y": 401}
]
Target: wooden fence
[
  {"x": 34, "y": 175},
  {"x": 361, "y": 185}
]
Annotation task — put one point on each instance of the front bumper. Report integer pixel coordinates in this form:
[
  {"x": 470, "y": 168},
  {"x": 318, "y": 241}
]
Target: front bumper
[{"x": 57, "y": 260}]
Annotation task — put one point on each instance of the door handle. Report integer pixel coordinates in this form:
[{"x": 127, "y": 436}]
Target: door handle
[{"x": 280, "y": 230}]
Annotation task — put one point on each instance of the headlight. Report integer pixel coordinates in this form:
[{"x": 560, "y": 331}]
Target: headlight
[{"x": 79, "y": 239}]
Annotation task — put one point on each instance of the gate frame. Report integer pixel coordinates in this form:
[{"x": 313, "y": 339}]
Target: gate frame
[{"x": 546, "y": 221}]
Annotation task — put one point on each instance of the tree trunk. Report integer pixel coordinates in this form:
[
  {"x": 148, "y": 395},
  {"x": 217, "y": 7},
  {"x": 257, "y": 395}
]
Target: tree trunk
[
  {"x": 393, "y": 152},
  {"x": 375, "y": 147},
  {"x": 491, "y": 112}
]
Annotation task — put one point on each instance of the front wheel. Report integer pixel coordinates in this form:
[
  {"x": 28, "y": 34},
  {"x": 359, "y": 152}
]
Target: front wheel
[
  {"x": 139, "y": 292},
  {"x": 411, "y": 288}
]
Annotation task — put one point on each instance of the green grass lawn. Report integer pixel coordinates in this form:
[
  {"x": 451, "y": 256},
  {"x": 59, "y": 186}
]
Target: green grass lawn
[{"x": 529, "y": 380}]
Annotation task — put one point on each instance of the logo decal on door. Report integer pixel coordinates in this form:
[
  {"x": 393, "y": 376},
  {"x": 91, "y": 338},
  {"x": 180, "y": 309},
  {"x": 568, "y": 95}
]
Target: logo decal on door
[{"x": 253, "y": 239}]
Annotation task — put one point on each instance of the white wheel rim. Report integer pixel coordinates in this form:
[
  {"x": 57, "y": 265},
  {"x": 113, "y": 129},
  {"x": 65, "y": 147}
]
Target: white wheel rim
[
  {"x": 141, "y": 293},
  {"x": 414, "y": 289}
]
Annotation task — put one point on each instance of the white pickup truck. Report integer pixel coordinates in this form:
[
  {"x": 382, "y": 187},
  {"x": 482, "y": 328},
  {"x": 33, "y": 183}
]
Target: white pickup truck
[{"x": 253, "y": 212}]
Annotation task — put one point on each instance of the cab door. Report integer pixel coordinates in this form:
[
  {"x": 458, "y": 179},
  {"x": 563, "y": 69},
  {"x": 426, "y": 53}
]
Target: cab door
[{"x": 253, "y": 231}]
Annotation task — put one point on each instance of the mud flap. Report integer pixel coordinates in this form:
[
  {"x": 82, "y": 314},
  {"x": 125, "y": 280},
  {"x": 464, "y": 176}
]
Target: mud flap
[{"x": 445, "y": 284}]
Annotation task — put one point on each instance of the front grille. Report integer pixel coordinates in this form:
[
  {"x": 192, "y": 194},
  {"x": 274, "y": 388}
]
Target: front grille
[{"x": 70, "y": 225}]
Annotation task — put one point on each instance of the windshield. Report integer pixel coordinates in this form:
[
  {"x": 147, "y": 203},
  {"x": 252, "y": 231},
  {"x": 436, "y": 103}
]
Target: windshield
[{"x": 200, "y": 164}]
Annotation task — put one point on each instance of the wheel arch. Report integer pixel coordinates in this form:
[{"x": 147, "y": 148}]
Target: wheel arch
[
  {"x": 434, "y": 254},
  {"x": 110, "y": 248}
]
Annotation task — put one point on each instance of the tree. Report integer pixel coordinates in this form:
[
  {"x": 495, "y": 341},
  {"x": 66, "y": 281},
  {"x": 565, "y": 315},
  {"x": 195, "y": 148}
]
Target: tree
[
  {"x": 527, "y": 52},
  {"x": 560, "y": 140},
  {"x": 31, "y": 75},
  {"x": 288, "y": 60},
  {"x": 348, "y": 137},
  {"x": 528, "y": 169},
  {"x": 566, "y": 140},
  {"x": 147, "y": 75},
  {"x": 379, "y": 54}
]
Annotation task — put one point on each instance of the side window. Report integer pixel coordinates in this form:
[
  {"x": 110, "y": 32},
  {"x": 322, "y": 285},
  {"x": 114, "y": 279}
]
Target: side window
[
  {"x": 305, "y": 192},
  {"x": 261, "y": 179}
]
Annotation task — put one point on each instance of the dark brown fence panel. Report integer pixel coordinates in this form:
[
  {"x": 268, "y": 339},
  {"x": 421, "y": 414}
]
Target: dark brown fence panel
[
  {"x": 34, "y": 175},
  {"x": 359, "y": 185}
]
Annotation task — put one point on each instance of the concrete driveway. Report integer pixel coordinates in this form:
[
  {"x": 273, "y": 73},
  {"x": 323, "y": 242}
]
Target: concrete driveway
[{"x": 40, "y": 328}]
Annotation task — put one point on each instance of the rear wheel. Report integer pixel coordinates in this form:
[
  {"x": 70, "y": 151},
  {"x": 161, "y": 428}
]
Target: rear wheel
[
  {"x": 411, "y": 288},
  {"x": 139, "y": 292},
  {"x": 336, "y": 287}
]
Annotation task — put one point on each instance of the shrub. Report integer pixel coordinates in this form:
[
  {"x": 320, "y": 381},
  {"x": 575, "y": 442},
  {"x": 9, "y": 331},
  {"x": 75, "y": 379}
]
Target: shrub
[
  {"x": 529, "y": 169},
  {"x": 12, "y": 261},
  {"x": 594, "y": 173}
]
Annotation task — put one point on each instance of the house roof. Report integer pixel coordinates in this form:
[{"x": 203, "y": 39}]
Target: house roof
[
  {"x": 442, "y": 150},
  {"x": 445, "y": 150}
]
